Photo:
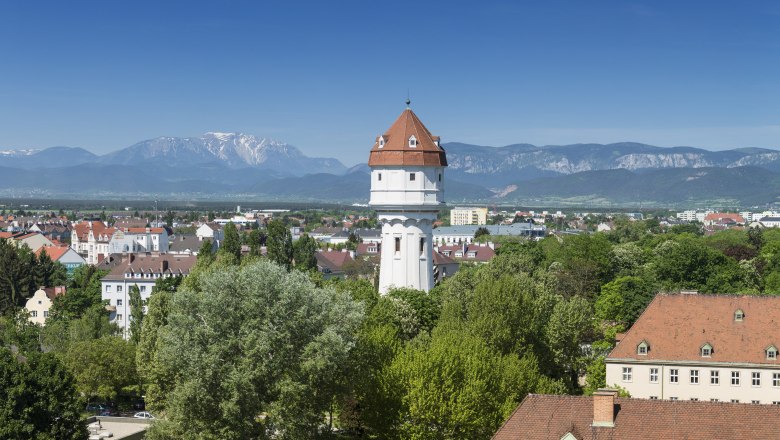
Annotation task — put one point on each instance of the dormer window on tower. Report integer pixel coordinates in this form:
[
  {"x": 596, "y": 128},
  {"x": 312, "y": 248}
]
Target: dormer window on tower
[
  {"x": 706, "y": 350},
  {"x": 642, "y": 348},
  {"x": 771, "y": 353},
  {"x": 412, "y": 141},
  {"x": 381, "y": 141},
  {"x": 739, "y": 315}
]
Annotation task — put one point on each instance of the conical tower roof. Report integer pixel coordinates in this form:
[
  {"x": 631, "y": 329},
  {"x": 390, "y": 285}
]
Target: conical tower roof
[{"x": 394, "y": 149}]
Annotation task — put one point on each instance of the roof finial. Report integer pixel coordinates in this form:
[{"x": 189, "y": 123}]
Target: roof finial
[{"x": 408, "y": 100}]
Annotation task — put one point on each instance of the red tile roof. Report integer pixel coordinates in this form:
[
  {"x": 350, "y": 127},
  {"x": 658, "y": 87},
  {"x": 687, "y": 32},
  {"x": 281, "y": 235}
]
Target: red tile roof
[
  {"x": 55, "y": 252},
  {"x": 716, "y": 216},
  {"x": 152, "y": 263},
  {"x": 143, "y": 230},
  {"x": 333, "y": 260},
  {"x": 6, "y": 235},
  {"x": 482, "y": 253},
  {"x": 396, "y": 150},
  {"x": 544, "y": 417},
  {"x": 98, "y": 228},
  {"x": 676, "y": 326}
]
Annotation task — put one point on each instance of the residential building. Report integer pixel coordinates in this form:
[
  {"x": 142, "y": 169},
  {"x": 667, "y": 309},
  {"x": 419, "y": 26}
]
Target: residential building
[
  {"x": 33, "y": 240},
  {"x": 64, "y": 255},
  {"x": 40, "y": 303},
  {"x": 142, "y": 270},
  {"x": 407, "y": 184},
  {"x": 138, "y": 240},
  {"x": 447, "y": 235},
  {"x": 443, "y": 266},
  {"x": 468, "y": 216},
  {"x": 723, "y": 218},
  {"x": 90, "y": 240},
  {"x": 770, "y": 222},
  {"x": 210, "y": 231},
  {"x": 473, "y": 253},
  {"x": 332, "y": 263},
  {"x": 706, "y": 347},
  {"x": 604, "y": 416},
  {"x": 187, "y": 244}
]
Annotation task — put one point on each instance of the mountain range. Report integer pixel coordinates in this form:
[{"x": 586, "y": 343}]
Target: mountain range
[{"x": 234, "y": 165}]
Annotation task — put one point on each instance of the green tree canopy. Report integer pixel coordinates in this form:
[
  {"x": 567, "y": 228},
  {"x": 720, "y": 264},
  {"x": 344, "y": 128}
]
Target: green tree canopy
[
  {"x": 279, "y": 245},
  {"x": 231, "y": 245}
]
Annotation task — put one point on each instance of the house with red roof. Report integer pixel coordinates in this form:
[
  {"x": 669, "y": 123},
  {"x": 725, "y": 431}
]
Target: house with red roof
[
  {"x": 723, "y": 218},
  {"x": 64, "y": 255}
]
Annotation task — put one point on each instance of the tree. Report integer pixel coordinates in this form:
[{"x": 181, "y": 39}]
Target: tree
[
  {"x": 279, "y": 244},
  {"x": 624, "y": 299},
  {"x": 253, "y": 339},
  {"x": 37, "y": 398},
  {"x": 84, "y": 292},
  {"x": 480, "y": 232},
  {"x": 304, "y": 250},
  {"x": 48, "y": 273},
  {"x": 256, "y": 239},
  {"x": 206, "y": 253},
  {"x": 102, "y": 367},
  {"x": 16, "y": 275},
  {"x": 231, "y": 245},
  {"x": 136, "y": 314}
]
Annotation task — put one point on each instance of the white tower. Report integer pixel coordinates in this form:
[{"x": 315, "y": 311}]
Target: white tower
[{"x": 407, "y": 169}]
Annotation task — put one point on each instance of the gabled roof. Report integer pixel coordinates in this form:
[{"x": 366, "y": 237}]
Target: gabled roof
[
  {"x": 152, "y": 263},
  {"x": 714, "y": 216},
  {"x": 333, "y": 260},
  {"x": 396, "y": 150},
  {"x": 698, "y": 319},
  {"x": 546, "y": 417},
  {"x": 55, "y": 252}
]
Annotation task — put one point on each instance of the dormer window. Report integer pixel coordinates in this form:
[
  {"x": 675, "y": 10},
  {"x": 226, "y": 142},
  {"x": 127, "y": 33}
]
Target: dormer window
[
  {"x": 739, "y": 315},
  {"x": 412, "y": 142},
  {"x": 706, "y": 350},
  {"x": 771, "y": 353},
  {"x": 381, "y": 141},
  {"x": 642, "y": 348}
]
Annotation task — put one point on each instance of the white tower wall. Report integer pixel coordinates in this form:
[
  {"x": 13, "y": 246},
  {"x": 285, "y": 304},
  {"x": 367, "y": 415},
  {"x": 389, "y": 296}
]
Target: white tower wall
[{"x": 407, "y": 258}]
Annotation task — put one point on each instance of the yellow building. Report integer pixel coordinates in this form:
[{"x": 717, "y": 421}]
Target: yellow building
[{"x": 468, "y": 216}]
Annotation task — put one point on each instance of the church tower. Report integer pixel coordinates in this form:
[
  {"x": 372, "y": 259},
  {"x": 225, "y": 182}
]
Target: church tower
[{"x": 407, "y": 182}]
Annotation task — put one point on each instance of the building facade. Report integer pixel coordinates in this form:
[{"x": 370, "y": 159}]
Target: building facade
[
  {"x": 142, "y": 270},
  {"x": 407, "y": 183},
  {"x": 468, "y": 216},
  {"x": 720, "y": 348}
]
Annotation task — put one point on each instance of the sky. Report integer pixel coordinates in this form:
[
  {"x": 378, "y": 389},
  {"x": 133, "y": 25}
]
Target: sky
[{"x": 329, "y": 76}]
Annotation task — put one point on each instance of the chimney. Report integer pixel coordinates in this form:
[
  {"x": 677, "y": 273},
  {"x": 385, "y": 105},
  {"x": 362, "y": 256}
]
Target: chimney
[{"x": 604, "y": 408}]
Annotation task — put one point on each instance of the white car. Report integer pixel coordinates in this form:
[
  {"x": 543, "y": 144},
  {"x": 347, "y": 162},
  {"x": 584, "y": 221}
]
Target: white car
[{"x": 143, "y": 415}]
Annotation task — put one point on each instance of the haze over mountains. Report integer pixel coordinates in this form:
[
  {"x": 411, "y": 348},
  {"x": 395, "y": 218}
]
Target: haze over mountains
[{"x": 234, "y": 165}]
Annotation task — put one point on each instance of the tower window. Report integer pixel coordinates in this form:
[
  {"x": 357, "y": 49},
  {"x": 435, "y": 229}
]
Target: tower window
[
  {"x": 413, "y": 142},
  {"x": 398, "y": 244},
  {"x": 439, "y": 177},
  {"x": 422, "y": 246},
  {"x": 379, "y": 176},
  {"x": 412, "y": 177}
]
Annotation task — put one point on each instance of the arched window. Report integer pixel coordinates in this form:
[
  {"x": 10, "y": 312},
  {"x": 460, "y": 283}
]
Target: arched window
[
  {"x": 412, "y": 141},
  {"x": 381, "y": 141}
]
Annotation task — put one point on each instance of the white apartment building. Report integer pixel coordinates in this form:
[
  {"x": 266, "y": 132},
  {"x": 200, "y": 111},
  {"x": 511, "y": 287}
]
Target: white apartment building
[
  {"x": 94, "y": 240},
  {"x": 468, "y": 216},
  {"x": 142, "y": 270},
  {"x": 210, "y": 231},
  {"x": 693, "y": 215},
  {"x": 720, "y": 348}
]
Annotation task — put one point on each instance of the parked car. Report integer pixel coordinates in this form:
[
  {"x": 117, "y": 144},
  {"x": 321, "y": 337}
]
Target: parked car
[
  {"x": 96, "y": 407},
  {"x": 143, "y": 415}
]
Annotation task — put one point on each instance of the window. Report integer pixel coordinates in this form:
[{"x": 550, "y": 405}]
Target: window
[
  {"x": 706, "y": 350},
  {"x": 674, "y": 375},
  {"x": 734, "y": 400},
  {"x": 653, "y": 397},
  {"x": 695, "y": 376},
  {"x": 771, "y": 353},
  {"x": 381, "y": 143},
  {"x": 412, "y": 176},
  {"x": 654, "y": 375},
  {"x": 45, "y": 313},
  {"x": 694, "y": 399},
  {"x": 422, "y": 246},
  {"x": 756, "y": 379},
  {"x": 439, "y": 177},
  {"x": 143, "y": 288},
  {"x": 776, "y": 402},
  {"x": 118, "y": 317},
  {"x": 119, "y": 302},
  {"x": 413, "y": 141},
  {"x": 776, "y": 379},
  {"x": 379, "y": 177},
  {"x": 641, "y": 349},
  {"x": 108, "y": 288},
  {"x": 398, "y": 244},
  {"x": 714, "y": 377},
  {"x": 755, "y": 402},
  {"x": 672, "y": 398},
  {"x": 627, "y": 374},
  {"x": 735, "y": 378},
  {"x": 714, "y": 400},
  {"x": 118, "y": 288},
  {"x": 739, "y": 315},
  {"x": 34, "y": 314}
]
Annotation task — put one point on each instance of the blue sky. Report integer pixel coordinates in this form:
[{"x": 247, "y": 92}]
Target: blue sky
[{"x": 328, "y": 76}]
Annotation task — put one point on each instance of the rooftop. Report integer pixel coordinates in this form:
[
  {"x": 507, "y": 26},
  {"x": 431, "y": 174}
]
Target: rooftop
[{"x": 396, "y": 148}]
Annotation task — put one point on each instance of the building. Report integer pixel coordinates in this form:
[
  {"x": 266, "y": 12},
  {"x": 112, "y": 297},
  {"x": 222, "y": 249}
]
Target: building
[
  {"x": 138, "y": 240},
  {"x": 770, "y": 222},
  {"x": 723, "y": 218},
  {"x": 447, "y": 235},
  {"x": 468, "y": 216},
  {"x": 332, "y": 264},
  {"x": 604, "y": 416},
  {"x": 40, "y": 303},
  {"x": 210, "y": 231},
  {"x": 187, "y": 244},
  {"x": 33, "y": 240},
  {"x": 142, "y": 270},
  {"x": 472, "y": 253},
  {"x": 90, "y": 240},
  {"x": 407, "y": 183},
  {"x": 64, "y": 255},
  {"x": 701, "y": 347}
]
